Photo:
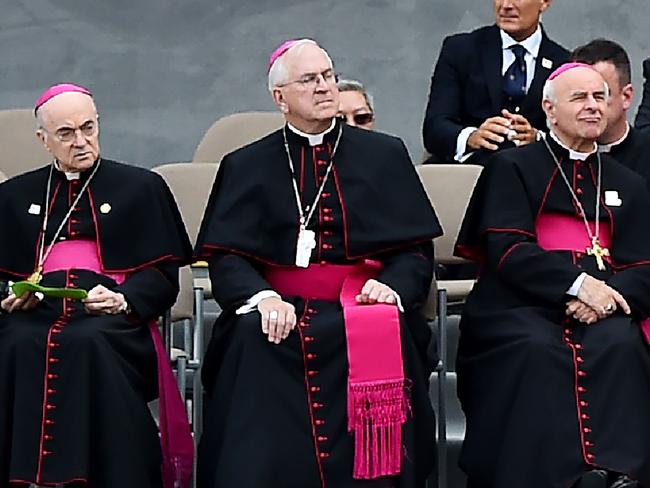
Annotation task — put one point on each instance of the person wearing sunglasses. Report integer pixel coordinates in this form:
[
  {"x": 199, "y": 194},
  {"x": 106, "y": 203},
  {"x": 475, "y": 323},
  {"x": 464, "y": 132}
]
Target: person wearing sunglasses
[
  {"x": 355, "y": 104},
  {"x": 318, "y": 275}
]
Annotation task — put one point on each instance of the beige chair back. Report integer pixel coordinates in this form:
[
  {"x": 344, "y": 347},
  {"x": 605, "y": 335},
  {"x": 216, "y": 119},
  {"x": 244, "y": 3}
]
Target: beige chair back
[
  {"x": 191, "y": 185},
  {"x": 449, "y": 187},
  {"x": 235, "y": 131},
  {"x": 21, "y": 150},
  {"x": 183, "y": 309},
  {"x": 3, "y": 177}
]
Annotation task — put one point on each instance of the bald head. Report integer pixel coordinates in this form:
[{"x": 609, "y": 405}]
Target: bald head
[
  {"x": 68, "y": 128},
  {"x": 575, "y": 104}
]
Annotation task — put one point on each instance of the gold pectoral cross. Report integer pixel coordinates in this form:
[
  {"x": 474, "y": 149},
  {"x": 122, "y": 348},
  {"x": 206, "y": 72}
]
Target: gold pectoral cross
[{"x": 598, "y": 252}]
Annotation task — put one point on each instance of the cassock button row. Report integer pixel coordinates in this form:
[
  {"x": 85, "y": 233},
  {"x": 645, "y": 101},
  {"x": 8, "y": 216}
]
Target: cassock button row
[
  {"x": 327, "y": 247},
  {"x": 309, "y": 339},
  {"x": 578, "y": 346},
  {"x": 311, "y": 355},
  {"x": 317, "y": 405},
  {"x": 325, "y": 194},
  {"x": 321, "y": 438},
  {"x": 579, "y": 191},
  {"x": 327, "y": 210},
  {"x": 584, "y": 403},
  {"x": 323, "y": 455},
  {"x": 46, "y": 453},
  {"x": 48, "y": 437},
  {"x": 319, "y": 422},
  {"x": 582, "y": 389},
  {"x": 579, "y": 359},
  {"x": 587, "y": 430},
  {"x": 581, "y": 373},
  {"x": 580, "y": 177},
  {"x": 584, "y": 416},
  {"x": 314, "y": 389},
  {"x": 312, "y": 372}
]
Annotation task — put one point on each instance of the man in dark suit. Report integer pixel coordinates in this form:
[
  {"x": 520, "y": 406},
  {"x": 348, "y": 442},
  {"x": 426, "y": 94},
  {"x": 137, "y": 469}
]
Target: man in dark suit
[
  {"x": 486, "y": 88},
  {"x": 642, "y": 120}
]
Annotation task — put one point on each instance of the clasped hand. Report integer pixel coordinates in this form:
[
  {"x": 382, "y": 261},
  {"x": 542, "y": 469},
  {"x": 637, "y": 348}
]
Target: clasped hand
[
  {"x": 595, "y": 301},
  {"x": 495, "y": 130}
]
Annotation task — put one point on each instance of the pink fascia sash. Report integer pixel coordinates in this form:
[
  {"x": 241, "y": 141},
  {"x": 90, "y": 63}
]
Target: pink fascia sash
[
  {"x": 378, "y": 404},
  {"x": 175, "y": 434},
  {"x": 561, "y": 232}
]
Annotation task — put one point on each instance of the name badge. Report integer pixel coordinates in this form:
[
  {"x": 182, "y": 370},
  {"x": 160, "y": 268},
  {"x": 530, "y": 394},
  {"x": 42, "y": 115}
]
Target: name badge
[
  {"x": 612, "y": 199},
  {"x": 547, "y": 63},
  {"x": 34, "y": 209}
]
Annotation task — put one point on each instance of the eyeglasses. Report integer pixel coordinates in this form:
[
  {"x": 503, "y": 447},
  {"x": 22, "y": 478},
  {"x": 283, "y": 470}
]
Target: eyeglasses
[
  {"x": 310, "y": 80},
  {"x": 69, "y": 134},
  {"x": 360, "y": 118}
]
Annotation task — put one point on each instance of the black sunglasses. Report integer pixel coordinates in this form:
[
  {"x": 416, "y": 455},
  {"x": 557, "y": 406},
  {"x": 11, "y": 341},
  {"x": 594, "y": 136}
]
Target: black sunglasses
[{"x": 360, "y": 119}]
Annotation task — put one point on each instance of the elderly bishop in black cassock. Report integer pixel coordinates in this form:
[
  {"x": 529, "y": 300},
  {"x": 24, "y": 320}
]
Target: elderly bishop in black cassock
[
  {"x": 319, "y": 243},
  {"x": 553, "y": 365},
  {"x": 76, "y": 373}
]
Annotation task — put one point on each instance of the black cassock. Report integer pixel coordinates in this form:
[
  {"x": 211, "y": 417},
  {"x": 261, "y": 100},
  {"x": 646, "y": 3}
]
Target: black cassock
[
  {"x": 634, "y": 152},
  {"x": 74, "y": 387},
  {"x": 276, "y": 416},
  {"x": 548, "y": 398}
]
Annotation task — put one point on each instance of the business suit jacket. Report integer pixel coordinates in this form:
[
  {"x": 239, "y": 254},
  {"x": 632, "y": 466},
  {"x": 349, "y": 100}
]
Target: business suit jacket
[
  {"x": 467, "y": 87},
  {"x": 642, "y": 120}
]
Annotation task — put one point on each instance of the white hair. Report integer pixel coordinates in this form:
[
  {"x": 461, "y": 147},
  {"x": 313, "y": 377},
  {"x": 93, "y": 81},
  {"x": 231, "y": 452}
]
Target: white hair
[{"x": 278, "y": 74}]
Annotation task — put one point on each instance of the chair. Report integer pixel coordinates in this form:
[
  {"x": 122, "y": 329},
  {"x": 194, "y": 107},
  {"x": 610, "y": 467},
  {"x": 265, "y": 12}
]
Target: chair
[
  {"x": 21, "y": 150},
  {"x": 3, "y": 177},
  {"x": 449, "y": 187},
  {"x": 190, "y": 185},
  {"x": 234, "y": 131}
]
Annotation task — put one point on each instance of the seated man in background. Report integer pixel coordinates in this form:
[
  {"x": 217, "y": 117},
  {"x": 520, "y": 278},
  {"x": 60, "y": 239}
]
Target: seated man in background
[
  {"x": 355, "y": 104},
  {"x": 553, "y": 365},
  {"x": 628, "y": 145},
  {"x": 76, "y": 375},
  {"x": 486, "y": 88},
  {"x": 318, "y": 238},
  {"x": 642, "y": 120}
]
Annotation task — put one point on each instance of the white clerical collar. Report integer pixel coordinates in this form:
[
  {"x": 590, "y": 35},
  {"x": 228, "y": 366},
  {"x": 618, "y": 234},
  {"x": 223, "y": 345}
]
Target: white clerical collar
[
  {"x": 531, "y": 44},
  {"x": 314, "y": 139},
  {"x": 69, "y": 175},
  {"x": 605, "y": 148},
  {"x": 573, "y": 155}
]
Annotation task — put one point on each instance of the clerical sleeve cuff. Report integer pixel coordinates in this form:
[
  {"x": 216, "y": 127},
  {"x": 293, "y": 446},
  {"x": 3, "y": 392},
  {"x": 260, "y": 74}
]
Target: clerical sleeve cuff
[
  {"x": 252, "y": 302},
  {"x": 461, "y": 144},
  {"x": 575, "y": 288}
]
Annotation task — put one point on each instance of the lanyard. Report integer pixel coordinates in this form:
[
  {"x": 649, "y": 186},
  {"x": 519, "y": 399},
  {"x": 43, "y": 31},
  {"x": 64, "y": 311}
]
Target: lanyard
[
  {"x": 304, "y": 221},
  {"x": 42, "y": 254}
]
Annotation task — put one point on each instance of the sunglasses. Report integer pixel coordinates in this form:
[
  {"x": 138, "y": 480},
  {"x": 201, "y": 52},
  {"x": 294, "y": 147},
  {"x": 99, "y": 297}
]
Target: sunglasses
[{"x": 360, "y": 119}]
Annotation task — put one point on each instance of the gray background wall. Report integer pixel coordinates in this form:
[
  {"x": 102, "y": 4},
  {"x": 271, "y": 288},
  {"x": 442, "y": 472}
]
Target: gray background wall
[{"x": 164, "y": 70}]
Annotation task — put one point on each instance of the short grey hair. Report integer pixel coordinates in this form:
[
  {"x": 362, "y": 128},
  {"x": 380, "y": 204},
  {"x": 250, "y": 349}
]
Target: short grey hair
[
  {"x": 357, "y": 86},
  {"x": 278, "y": 74}
]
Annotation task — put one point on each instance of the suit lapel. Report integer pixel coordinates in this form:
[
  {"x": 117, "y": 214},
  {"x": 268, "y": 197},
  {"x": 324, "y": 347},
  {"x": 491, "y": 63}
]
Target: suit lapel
[
  {"x": 492, "y": 60},
  {"x": 544, "y": 65}
]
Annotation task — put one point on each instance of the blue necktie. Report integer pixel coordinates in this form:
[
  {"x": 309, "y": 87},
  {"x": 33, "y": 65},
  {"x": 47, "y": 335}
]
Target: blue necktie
[{"x": 514, "y": 80}]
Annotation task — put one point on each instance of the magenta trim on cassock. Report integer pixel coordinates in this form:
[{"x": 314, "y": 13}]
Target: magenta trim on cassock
[
  {"x": 175, "y": 435},
  {"x": 56, "y": 90},
  {"x": 378, "y": 404}
]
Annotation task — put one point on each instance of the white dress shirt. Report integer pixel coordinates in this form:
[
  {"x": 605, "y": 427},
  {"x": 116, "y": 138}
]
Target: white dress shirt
[{"x": 531, "y": 44}]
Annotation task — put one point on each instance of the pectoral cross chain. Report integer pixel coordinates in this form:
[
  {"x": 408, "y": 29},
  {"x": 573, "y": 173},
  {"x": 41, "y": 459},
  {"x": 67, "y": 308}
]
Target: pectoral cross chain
[{"x": 598, "y": 253}]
